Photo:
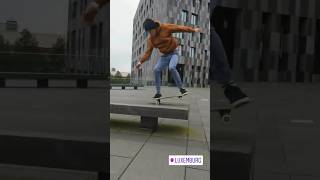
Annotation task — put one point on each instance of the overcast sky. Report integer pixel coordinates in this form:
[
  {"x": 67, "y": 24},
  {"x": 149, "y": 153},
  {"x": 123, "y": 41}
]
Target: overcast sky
[
  {"x": 39, "y": 16},
  {"x": 122, "y": 14}
]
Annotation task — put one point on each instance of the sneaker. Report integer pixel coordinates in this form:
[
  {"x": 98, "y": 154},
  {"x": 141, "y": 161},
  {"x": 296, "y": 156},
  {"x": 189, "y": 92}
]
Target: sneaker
[
  {"x": 236, "y": 97},
  {"x": 183, "y": 92},
  {"x": 156, "y": 96}
]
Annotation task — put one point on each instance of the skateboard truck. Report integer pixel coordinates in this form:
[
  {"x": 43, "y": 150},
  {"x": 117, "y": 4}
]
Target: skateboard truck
[{"x": 158, "y": 100}]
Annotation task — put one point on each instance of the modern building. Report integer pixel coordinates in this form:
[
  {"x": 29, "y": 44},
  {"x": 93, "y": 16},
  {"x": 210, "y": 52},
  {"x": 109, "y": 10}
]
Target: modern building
[
  {"x": 271, "y": 40},
  {"x": 88, "y": 46},
  {"x": 195, "y": 47}
]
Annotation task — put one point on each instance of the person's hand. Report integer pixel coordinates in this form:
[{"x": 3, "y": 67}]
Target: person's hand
[
  {"x": 138, "y": 65},
  {"x": 197, "y": 30},
  {"x": 91, "y": 13}
]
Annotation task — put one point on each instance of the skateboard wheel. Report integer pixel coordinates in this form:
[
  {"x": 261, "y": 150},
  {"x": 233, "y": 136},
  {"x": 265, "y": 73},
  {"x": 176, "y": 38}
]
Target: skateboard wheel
[{"x": 226, "y": 118}]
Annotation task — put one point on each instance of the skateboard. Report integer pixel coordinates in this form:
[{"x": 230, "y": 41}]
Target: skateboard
[
  {"x": 224, "y": 112},
  {"x": 225, "y": 109},
  {"x": 158, "y": 100}
]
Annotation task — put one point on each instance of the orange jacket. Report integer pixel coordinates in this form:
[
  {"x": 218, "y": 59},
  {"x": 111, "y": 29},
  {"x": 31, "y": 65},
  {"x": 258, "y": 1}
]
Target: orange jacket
[{"x": 164, "y": 41}]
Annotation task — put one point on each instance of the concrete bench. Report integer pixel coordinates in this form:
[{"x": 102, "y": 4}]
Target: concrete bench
[
  {"x": 52, "y": 80},
  {"x": 124, "y": 86},
  {"x": 150, "y": 113},
  {"x": 232, "y": 146}
]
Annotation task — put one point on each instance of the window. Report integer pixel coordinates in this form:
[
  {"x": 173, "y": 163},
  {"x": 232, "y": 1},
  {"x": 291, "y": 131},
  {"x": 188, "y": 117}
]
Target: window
[
  {"x": 192, "y": 52},
  {"x": 184, "y": 16},
  {"x": 74, "y": 9},
  {"x": 100, "y": 38},
  {"x": 181, "y": 50},
  {"x": 206, "y": 54},
  {"x": 194, "y": 19},
  {"x": 83, "y": 37},
  {"x": 73, "y": 41},
  {"x": 93, "y": 38},
  {"x": 201, "y": 37},
  {"x": 81, "y": 6},
  {"x": 179, "y": 35},
  {"x": 193, "y": 3}
]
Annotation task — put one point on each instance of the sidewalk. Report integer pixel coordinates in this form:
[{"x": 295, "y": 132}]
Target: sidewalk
[{"x": 140, "y": 154}]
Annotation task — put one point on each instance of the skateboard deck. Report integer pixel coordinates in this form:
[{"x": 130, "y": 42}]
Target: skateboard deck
[{"x": 158, "y": 100}]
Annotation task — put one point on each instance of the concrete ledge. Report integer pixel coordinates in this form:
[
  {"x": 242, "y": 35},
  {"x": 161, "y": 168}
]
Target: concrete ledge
[
  {"x": 149, "y": 114},
  {"x": 150, "y": 111},
  {"x": 233, "y": 145}
]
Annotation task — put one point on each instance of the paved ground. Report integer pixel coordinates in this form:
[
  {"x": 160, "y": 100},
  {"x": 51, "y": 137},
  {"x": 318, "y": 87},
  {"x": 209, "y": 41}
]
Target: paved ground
[
  {"x": 138, "y": 154},
  {"x": 285, "y": 118}
]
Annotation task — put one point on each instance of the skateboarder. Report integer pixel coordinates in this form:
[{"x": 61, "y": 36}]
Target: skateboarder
[
  {"x": 221, "y": 70},
  {"x": 160, "y": 37}
]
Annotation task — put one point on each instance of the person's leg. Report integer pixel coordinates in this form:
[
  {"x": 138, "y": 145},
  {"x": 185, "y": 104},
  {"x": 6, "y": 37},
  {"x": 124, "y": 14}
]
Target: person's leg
[
  {"x": 174, "y": 72},
  {"x": 221, "y": 69},
  {"x": 161, "y": 64},
  {"x": 222, "y": 72}
]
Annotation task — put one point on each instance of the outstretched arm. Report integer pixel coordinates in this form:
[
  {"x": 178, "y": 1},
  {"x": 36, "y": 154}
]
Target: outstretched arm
[
  {"x": 147, "y": 54},
  {"x": 178, "y": 28},
  {"x": 101, "y": 3},
  {"x": 93, "y": 9}
]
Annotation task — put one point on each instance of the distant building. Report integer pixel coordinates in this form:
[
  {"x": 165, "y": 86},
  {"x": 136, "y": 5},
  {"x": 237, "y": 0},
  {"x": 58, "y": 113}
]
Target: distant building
[
  {"x": 88, "y": 46},
  {"x": 271, "y": 40},
  {"x": 114, "y": 71},
  {"x": 9, "y": 30},
  {"x": 194, "y": 52}
]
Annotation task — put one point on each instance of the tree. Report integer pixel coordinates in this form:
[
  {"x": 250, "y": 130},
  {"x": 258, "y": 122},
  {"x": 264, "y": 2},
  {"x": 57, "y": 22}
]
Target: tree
[
  {"x": 4, "y": 44},
  {"x": 59, "y": 45},
  {"x": 27, "y": 42},
  {"x": 129, "y": 76}
]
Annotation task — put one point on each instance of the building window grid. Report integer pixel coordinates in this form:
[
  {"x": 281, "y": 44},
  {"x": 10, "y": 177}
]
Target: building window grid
[{"x": 194, "y": 19}]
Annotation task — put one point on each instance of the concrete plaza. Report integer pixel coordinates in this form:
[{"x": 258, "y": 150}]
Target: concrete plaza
[
  {"x": 138, "y": 154},
  {"x": 285, "y": 120}
]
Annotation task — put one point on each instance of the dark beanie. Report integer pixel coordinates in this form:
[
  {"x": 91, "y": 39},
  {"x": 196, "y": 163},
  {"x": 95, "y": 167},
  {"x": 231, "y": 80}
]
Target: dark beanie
[{"x": 150, "y": 24}]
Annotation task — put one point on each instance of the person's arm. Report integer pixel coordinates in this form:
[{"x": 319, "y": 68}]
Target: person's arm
[
  {"x": 147, "y": 54},
  {"x": 101, "y": 3},
  {"x": 93, "y": 9},
  {"x": 178, "y": 28}
]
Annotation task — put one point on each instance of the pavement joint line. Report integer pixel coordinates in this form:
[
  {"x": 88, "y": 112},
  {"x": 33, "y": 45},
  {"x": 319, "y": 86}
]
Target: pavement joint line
[
  {"x": 134, "y": 157},
  {"x": 120, "y": 156},
  {"x": 187, "y": 144},
  {"x": 198, "y": 169},
  {"x": 301, "y": 121}
]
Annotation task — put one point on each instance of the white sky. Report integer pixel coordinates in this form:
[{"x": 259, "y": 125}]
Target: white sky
[
  {"x": 122, "y": 14},
  {"x": 39, "y": 16}
]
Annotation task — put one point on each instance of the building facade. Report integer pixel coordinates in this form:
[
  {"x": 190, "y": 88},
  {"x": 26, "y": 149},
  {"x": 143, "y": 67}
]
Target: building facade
[
  {"x": 270, "y": 40},
  {"x": 88, "y": 46},
  {"x": 194, "y": 51}
]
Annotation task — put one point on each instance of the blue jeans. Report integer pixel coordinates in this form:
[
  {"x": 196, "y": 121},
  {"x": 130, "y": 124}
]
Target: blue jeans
[
  {"x": 166, "y": 60},
  {"x": 219, "y": 62}
]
